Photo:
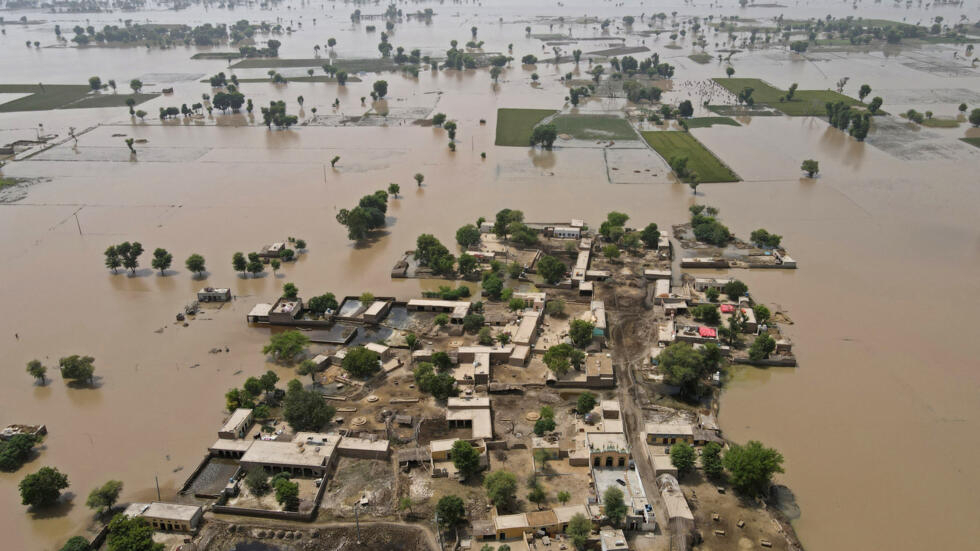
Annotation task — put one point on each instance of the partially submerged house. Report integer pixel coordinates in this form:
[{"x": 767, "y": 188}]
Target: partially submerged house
[
  {"x": 214, "y": 294},
  {"x": 170, "y": 517}
]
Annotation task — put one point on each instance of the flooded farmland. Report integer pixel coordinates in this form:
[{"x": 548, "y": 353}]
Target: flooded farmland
[{"x": 879, "y": 425}]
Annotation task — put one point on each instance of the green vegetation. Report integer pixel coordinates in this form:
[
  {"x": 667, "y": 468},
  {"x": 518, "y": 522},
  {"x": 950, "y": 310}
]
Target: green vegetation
[
  {"x": 16, "y": 451},
  {"x": 975, "y": 142},
  {"x": 711, "y": 461},
  {"x": 941, "y": 123},
  {"x": 685, "y": 367},
  {"x": 586, "y": 401},
  {"x": 450, "y": 511},
  {"x": 682, "y": 458},
  {"x": 707, "y": 122},
  {"x": 811, "y": 167},
  {"x": 551, "y": 269},
  {"x": 76, "y": 543},
  {"x": 286, "y": 346},
  {"x": 752, "y": 467},
  {"x": 63, "y": 96},
  {"x": 77, "y": 368},
  {"x": 104, "y": 497},
  {"x": 514, "y": 126},
  {"x": 613, "y": 505},
  {"x": 361, "y": 362},
  {"x": 465, "y": 458},
  {"x": 43, "y": 488},
  {"x": 581, "y": 332},
  {"x": 217, "y": 55},
  {"x": 594, "y": 127},
  {"x": 803, "y": 103},
  {"x": 703, "y": 58},
  {"x": 306, "y": 410},
  {"x": 501, "y": 489},
  {"x": 700, "y": 161},
  {"x": 131, "y": 534},
  {"x": 579, "y": 529},
  {"x": 315, "y": 78},
  {"x": 560, "y": 357}
]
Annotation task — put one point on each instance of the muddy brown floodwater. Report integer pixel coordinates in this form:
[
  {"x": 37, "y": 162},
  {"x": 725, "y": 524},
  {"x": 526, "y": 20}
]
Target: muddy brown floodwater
[{"x": 879, "y": 426}]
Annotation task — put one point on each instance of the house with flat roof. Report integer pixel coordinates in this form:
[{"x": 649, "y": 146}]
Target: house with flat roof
[
  {"x": 471, "y": 412},
  {"x": 364, "y": 448},
  {"x": 527, "y": 329},
  {"x": 377, "y": 311},
  {"x": 384, "y": 351},
  {"x": 656, "y": 273},
  {"x": 608, "y": 449},
  {"x": 534, "y": 301},
  {"x": 214, "y": 294},
  {"x": 309, "y": 454},
  {"x": 285, "y": 310},
  {"x": 669, "y": 433},
  {"x": 612, "y": 540},
  {"x": 456, "y": 309},
  {"x": 566, "y": 232},
  {"x": 167, "y": 516},
  {"x": 259, "y": 313},
  {"x": 237, "y": 424}
]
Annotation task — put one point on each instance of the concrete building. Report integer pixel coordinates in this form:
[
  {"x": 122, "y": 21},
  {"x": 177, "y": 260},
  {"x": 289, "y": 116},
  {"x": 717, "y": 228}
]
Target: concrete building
[
  {"x": 309, "y": 454},
  {"x": 679, "y": 514},
  {"x": 259, "y": 313},
  {"x": 597, "y": 309},
  {"x": 612, "y": 540},
  {"x": 654, "y": 273},
  {"x": 384, "y": 351},
  {"x": 214, "y": 294},
  {"x": 610, "y": 409},
  {"x": 702, "y": 284},
  {"x": 473, "y": 413},
  {"x": 566, "y": 232},
  {"x": 269, "y": 252},
  {"x": 285, "y": 310},
  {"x": 167, "y": 516},
  {"x": 237, "y": 424},
  {"x": 457, "y": 310},
  {"x": 663, "y": 465},
  {"x": 527, "y": 329},
  {"x": 607, "y": 449},
  {"x": 599, "y": 371},
  {"x": 364, "y": 448},
  {"x": 377, "y": 311},
  {"x": 669, "y": 433},
  {"x": 533, "y": 301}
]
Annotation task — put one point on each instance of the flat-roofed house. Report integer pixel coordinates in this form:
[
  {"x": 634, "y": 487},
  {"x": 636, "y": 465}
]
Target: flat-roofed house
[
  {"x": 214, "y": 294},
  {"x": 237, "y": 424},
  {"x": 566, "y": 232},
  {"x": 259, "y": 313},
  {"x": 669, "y": 433},
  {"x": 534, "y": 301},
  {"x": 363, "y": 448},
  {"x": 608, "y": 449},
  {"x": 456, "y": 309},
  {"x": 285, "y": 310},
  {"x": 527, "y": 329},
  {"x": 377, "y": 311},
  {"x": 167, "y": 516},
  {"x": 309, "y": 454},
  {"x": 384, "y": 351}
]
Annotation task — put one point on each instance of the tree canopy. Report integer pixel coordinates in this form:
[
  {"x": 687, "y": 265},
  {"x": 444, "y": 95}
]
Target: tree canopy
[
  {"x": 361, "y": 362},
  {"x": 131, "y": 534},
  {"x": 42, "y": 488},
  {"x": 78, "y": 368},
  {"x": 551, "y": 269},
  {"x": 501, "y": 489},
  {"x": 465, "y": 458},
  {"x": 104, "y": 497},
  {"x": 286, "y": 346},
  {"x": 613, "y": 505},
  {"x": 306, "y": 410},
  {"x": 450, "y": 511},
  {"x": 682, "y": 458},
  {"x": 581, "y": 331},
  {"x": 751, "y": 466}
]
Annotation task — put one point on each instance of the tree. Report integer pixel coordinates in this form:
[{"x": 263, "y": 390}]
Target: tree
[
  {"x": 683, "y": 366},
  {"x": 419, "y": 178},
  {"x": 501, "y": 489},
  {"x": 613, "y": 505},
  {"x": 685, "y": 108},
  {"x": 735, "y": 289},
  {"x": 543, "y": 425},
  {"x": 586, "y": 401},
  {"x": 131, "y": 534},
  {"x": 468, "y": 235},
  {"x": 544, "y": 134},
  {"x": 763, "y": 238},
  {"x": 563, "y": 497},
  {"x": 195, "y": 263},
  {"x": 306, "y": 410},
  {"x": 380, "y": 88},
  {"x": 537, "y": 494},
  {"x": 555, "y": 307},
  {"x": 361, "y": 362},
  {"x": 393, "y": 189},
  {"x": 112, "y": 258},
  {"x": 95, "y": 83},
  {"x": 136, "y": 84},
  {"x": 322, "y": 303},
  {"x": 762, "y": 313},
  {"x": 76, "y": 543},
  {"x": 257, "y": 481},
  {"x": 15, "y": 451},
  {"x": 712, "y": 294},
  {"x": 77, "y": 368},
  {"x": 730, "y": 71},
  {"x": 761, "y": 347},
  {"x": 130, "y": 253},
  {"x": 711, "y": 461},
  {"x": 102, "y": 499},
  {"x": 611, "y": 251},
  {"x": 286, "y": 346},
  {"x": 650, "y": 236},
  {"x": 43, "y": 488},
  {"x": 707, "y": 313},
  {"x": 450, "y": 511},
  {"x": 289, "y": 291},
  {"x": 579, "y": 529},
  {"x": 529, "y": 59},
  {"x": 37, "y": 370},
  {"x": 287, "y": 493},
  {"x": 864, "y": 92},
  {"x": 255, "y": 266},
  {"x": 682, "y": 458},
  {"x": 551, "y": 269},
  {"x": 811, "y": 167},
  {"x": 485, "y": 337},
  {"x": 792, "y": 91},
  {"x": 239, "y": 263},
  {"x": 473, "y": 322},
  {"x": 441, "y": 319},
  {"x": 580, "y": 331},
  {"x": 560, "y": 357},
  {"x": 975, "y": 117},
  {"x": 875, "y": 105},
  {"x": 465, "y": 458},
  {"x": 752, "y": 466},
  {"x": 161, "y": 260}
]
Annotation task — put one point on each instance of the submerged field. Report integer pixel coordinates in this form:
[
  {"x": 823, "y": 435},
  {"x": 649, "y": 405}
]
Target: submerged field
[
  {"x": 63, "y": 96},
  {"x": 708, "y": 122},
  {"x": 514, "y": 126},
  {"x": 805, "y": 103},
  {"x": 671, "y": 144},
  {"x": 594, "y": 127}
]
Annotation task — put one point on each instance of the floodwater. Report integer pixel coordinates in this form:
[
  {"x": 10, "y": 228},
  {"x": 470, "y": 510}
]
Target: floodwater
[{"x": 879, "y": 425}]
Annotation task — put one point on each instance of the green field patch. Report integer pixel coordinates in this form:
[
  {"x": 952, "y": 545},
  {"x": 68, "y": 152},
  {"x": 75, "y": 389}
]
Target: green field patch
[
  {"x": 941, "y": 123},
  {"x": 701, "y": 58},
  {"x": 63, "y": 96},
  {"x": 217, "y": 55},
  {"x": 514, "y": 126},
  {"x": 707, "y": 122},
  {"x": 108, "y": 100},
  {"x": 700, "y": 160},
  {"x": 975, "y": 142},
  {"x": 594, "y": 127},
  {"x": 805, "y": 103}
]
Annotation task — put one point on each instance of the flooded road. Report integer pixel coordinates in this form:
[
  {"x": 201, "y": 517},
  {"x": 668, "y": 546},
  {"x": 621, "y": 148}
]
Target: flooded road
[{"x": 879, "y": 425}]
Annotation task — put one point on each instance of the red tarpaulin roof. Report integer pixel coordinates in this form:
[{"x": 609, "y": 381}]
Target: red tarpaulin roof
[
  {"x": 727, "y": 308},
  {"x": 707, "y": 332}
]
